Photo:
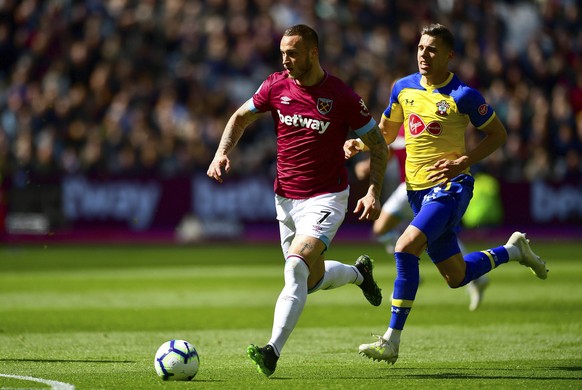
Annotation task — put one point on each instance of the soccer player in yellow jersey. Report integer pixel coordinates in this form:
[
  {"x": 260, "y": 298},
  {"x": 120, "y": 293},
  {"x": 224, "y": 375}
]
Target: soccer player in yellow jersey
[{"x": 435, "y": 108}]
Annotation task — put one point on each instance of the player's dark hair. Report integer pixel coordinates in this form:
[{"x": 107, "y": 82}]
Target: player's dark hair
[
  {"x": 305, "y": 32},
  {"x": 437, "y": 30}
]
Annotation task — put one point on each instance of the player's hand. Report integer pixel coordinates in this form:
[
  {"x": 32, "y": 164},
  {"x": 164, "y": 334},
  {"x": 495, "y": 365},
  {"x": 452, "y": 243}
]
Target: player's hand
[
  {"x": 368, "y": 207},
  {"x": 444, "y": 170},
  {"x": 220, "y": 162},
  {"x": 351, "y": 148}
]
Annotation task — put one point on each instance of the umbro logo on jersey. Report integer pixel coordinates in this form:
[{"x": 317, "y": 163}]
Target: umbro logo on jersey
[
  {"x": 285, "y": 99},
  {"x": 416, "y": 126},
  {"x": 410, "y": 102}
]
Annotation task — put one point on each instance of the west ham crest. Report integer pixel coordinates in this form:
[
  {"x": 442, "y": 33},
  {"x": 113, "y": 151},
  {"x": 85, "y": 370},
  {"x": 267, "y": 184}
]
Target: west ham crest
[{"x": 324, "y": 105}]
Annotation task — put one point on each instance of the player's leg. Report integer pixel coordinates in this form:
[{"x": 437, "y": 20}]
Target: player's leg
[
  {"x": 322, "y": 219},
  {"x": 303, "y": 254},
  {"x": 296, "y": 273},
  {"x": 439, "y": 220},
  {"x": 387, "y": 227},
  {"x": 316, "y": 223},
  {"x": 408, "y": 249},
  {"x": 475, "y": 288},
  {"x": 385, "y": 232},
  {"x": 303, "y": 261},
  {"x": 435, "y": 225},
  {"x": 519, "y": 250},
  {"x": 446, "y": 208},
  {"x": 459, "y": 270},
  {"x": 426, "y": 227},
  {"x": 337, "y": 274},
  {"x": 307, "y": 228}
]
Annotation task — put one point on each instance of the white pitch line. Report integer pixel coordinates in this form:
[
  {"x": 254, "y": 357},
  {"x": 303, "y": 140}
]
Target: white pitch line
[{"x": 53, "y": 384}]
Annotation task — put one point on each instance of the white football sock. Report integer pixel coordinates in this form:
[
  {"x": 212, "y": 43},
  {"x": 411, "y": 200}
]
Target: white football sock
[
  {"x": 389, "y": 238},
  {"x": 338, "y": 274},
  {"x": 513, "y": 252},
  {"x": 392, "y": 335},
  {"x": 290, "y": 302}
]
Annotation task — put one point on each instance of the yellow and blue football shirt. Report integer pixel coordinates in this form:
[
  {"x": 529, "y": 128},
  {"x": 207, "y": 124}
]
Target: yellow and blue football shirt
[{"x": 435, "y": 118}]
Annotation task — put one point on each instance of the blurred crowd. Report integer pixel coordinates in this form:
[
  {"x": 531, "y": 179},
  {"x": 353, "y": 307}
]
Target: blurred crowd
[{"x": 145, "y": 87}]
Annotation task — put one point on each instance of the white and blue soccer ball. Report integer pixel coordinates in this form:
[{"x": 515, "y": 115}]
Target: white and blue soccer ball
[{"x": 177, "y": 360}]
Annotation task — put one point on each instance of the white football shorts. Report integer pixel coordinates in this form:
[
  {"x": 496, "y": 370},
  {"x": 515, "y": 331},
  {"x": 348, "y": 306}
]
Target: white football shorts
[
  {"x": 397, "y": 204},
  {"x": 319, "y": 217}
]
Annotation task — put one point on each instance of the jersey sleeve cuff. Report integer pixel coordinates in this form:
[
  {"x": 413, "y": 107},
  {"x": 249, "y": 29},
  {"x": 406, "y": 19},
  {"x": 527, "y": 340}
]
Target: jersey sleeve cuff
[
  {"x": 251, "y": 106},
  {"x": 367, "y": 127}
]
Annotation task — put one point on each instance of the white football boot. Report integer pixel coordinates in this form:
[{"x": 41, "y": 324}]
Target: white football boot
[
  {"x": 380, "y": 350},
  {"x": 528, "y": 257}
]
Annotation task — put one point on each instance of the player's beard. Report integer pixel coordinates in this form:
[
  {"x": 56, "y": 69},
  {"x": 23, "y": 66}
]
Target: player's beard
[{"x": 300, "y": 72}]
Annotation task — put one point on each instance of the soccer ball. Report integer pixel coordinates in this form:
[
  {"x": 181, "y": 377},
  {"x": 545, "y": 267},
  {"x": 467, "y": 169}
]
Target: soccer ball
[{"x": 176, "y": 360}]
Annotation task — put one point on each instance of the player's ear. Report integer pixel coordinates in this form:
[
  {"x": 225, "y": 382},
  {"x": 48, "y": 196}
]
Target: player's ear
[{"x": 315, "y": 52}]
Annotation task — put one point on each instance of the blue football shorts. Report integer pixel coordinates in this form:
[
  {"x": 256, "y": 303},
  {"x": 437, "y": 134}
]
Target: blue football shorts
[{"x": 438, "y": 212}]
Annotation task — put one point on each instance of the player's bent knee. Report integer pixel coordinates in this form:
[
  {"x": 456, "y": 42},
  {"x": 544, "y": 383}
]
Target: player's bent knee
[
  {"x": 454, "y": 282},
  {"x": 297, "y": 266}
]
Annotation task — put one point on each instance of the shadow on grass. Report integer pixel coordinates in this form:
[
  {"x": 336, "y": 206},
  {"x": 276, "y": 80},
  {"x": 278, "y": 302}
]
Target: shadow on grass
[
  {"x": 565, "y": 368},
  {"x": 65, "y": 360},
  {"x": 404, "y": 373}
]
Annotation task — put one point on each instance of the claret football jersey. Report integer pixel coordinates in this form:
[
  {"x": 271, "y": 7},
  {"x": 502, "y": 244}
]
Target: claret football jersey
[
  {"x": 312, "y": 124},
  {"x": 435, "y": 119}
]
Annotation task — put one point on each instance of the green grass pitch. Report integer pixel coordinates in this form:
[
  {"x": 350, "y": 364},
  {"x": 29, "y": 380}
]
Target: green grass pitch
[{"x": 93, "y": 317}]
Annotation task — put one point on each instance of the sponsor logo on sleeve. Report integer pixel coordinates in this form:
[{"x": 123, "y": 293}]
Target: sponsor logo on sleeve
[{"x": 363, "y": 108}]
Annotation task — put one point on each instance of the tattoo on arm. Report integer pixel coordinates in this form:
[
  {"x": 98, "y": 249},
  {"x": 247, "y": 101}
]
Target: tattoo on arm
[
  {"x": 378, "y": 157},
  {"x": 235, "y": 128}
]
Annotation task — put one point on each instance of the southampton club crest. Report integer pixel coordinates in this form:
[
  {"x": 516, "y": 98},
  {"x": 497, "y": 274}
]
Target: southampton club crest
[
  {"x": 324, "y": 105},
  {"x": 442, "y": 108}
]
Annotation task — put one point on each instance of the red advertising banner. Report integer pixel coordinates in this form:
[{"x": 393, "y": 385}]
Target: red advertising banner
[
  {"x": 197, "y": 208},
  {"x": 542, "y": 203}
]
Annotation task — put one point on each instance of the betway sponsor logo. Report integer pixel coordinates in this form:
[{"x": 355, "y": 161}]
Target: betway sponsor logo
[
  {"x": 249, "y": 198},
  {"x": 563, "y": 203},
  {"x": 122, "y": 200},
  {"x": 301, "y": 121}
]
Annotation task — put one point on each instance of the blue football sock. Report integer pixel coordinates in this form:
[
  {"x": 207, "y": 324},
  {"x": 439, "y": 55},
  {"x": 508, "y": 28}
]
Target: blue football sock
[
  {"x": 405, "y": 287},
  {"x": 479, "y": 263}
]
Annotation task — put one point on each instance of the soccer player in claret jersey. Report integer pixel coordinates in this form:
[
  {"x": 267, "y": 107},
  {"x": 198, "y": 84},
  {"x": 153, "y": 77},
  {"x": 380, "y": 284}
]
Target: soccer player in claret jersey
[
  {"x": 313, "y": 113},
  {"x": 436, "y": 107}
]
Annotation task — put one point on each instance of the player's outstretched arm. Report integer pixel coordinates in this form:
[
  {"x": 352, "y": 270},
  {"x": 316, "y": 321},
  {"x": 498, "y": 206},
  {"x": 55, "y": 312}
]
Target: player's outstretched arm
[
  {"x": 233, "y": 131},
  {"x": 370, "y": 206}
]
